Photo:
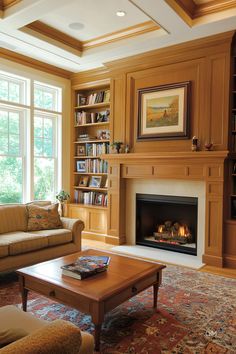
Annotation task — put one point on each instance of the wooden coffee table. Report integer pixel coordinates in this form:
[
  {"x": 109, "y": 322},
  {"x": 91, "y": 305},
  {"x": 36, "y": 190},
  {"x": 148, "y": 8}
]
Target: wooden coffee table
[{"x": 97, "y": 294}]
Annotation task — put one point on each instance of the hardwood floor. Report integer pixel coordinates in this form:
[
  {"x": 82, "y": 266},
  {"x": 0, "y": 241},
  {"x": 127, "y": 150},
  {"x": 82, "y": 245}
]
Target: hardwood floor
[{"x": 226, "y": 272}]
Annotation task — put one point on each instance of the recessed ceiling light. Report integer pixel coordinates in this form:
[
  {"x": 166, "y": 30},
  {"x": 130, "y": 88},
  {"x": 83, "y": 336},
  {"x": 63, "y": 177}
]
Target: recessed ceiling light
[
  {"x": 76, "y": 26},
  {"x": 120, "y": 13}
]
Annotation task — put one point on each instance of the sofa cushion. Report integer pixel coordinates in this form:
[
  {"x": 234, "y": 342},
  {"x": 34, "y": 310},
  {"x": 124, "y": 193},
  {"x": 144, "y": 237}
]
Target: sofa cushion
[
  {"x": 3, "y": 249},
  {"x": 57, "y": 337},
  {"x": 11, "y": 317},
  {"x": 43, "y": 218},
  {"x": 55, "y": 237},
  {"x": 22, "y": 242},
  {"x": 9, "y": 335},
  {"x": 13, "y": 217}
]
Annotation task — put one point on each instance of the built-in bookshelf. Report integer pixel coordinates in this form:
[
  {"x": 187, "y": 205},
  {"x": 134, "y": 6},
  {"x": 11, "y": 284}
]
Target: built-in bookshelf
[
  {"x": 89, "y": 173},
  {"x": 92, "y": 139}
]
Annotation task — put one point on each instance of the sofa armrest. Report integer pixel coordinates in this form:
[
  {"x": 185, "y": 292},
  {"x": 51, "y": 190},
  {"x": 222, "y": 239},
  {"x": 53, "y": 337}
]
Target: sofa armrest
[
  {"x": 76, "y": 226},
  {"x": 57, "y": 337}
]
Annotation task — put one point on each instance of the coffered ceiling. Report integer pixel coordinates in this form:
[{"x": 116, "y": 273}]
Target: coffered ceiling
[{"x": 78, "y": 35}]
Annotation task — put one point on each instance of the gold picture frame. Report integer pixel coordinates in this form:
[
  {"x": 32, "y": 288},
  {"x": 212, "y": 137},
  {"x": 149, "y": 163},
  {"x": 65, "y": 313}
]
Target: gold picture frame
[{"x": 163, "y": 112}]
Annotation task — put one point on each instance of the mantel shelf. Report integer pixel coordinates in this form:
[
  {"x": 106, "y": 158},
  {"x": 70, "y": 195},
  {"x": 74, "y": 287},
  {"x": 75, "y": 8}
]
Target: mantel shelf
[{"x": 166, "y": 155}]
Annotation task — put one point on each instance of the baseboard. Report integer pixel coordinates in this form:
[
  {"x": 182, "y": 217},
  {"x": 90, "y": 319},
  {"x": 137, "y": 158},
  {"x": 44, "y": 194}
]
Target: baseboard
[
  {"x": 230, "y": 261},
  {"x": 215, "y": 261},
  {"x": 112, "y": 240}
]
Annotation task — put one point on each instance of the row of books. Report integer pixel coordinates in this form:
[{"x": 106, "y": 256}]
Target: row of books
[
  {"x": 96, "y": 149},
  {"x": 86, "y": 266},
  {"x": 83, "y": 117},
  {"x": 93, "y": 98},
  {"x": 92, "y": 166},
  {"x": 90, "y": 198}
]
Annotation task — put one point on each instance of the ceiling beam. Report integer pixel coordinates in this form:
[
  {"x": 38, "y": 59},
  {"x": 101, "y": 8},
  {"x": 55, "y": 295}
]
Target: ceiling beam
[{"x": 28, "y": 11}]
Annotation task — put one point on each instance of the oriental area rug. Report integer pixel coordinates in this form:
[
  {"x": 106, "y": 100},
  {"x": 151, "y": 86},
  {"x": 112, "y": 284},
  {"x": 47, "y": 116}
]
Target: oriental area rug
[{"x": 196, "y": 314}]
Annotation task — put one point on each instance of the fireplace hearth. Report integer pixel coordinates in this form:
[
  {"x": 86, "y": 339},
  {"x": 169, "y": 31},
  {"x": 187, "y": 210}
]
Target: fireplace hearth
[{"x": 167, "y": 222}]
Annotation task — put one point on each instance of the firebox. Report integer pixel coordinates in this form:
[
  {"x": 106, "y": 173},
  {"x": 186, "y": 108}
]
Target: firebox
[{"x": 167, "y": 222}]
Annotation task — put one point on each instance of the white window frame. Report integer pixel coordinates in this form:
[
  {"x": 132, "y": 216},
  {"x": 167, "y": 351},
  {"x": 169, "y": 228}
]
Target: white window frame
[{"x": 27, "y": 108}]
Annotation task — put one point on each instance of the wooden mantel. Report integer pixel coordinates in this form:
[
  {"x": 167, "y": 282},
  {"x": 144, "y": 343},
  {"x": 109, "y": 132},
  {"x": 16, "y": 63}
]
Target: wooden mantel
[{"x": 207, "y": 166}]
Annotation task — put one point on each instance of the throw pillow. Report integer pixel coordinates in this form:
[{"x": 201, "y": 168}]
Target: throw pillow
[
  {"x": 43, "y": 218},
  {"x": 10, "y": 335}
]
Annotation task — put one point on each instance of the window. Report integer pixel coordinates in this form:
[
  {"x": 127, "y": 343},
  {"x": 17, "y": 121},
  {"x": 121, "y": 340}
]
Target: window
[{"x": 28, "y": 139}]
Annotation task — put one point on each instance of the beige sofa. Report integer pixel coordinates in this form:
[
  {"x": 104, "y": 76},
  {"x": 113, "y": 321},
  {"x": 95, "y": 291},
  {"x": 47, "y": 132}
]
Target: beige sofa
[
  {"x": 27, "y": 334},
  {"x": 19, "y": 247}
]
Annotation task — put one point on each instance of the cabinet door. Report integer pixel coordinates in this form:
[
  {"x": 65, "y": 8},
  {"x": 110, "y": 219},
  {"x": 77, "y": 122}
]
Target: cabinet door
[
  {"x": 97, "y": 221},
  {"x": 75, "y": 212}
]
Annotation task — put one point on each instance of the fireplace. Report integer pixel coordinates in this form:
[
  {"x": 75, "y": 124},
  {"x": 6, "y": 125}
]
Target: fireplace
[{"x": 167, "y": 222}]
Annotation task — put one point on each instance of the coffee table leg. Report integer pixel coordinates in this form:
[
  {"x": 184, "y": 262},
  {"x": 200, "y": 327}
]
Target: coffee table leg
[
  {"x": 97, "y": 334},
  {"x": 24, "y": 293},
  {"x": 155, "y": 294}
]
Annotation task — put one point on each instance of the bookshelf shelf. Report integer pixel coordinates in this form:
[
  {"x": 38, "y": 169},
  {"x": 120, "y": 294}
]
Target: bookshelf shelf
[
  {"x": 91, "y": 124},
  {"x": 95, "y": 105}
]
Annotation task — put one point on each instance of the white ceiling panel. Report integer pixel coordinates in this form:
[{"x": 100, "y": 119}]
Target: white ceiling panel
[{"x": 98, "y": 17}]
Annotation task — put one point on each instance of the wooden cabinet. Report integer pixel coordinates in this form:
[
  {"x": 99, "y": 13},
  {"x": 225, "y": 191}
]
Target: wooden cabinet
[{"x": 91, "y": 139}]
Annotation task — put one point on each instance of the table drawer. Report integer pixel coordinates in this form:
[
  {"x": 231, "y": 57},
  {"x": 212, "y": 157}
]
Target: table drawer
[
  {"x": 129, "y": 292},
  {"x": 58, "y": 294}
]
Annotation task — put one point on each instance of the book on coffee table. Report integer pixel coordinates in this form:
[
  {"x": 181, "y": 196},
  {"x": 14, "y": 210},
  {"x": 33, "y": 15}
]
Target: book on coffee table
[{"x": 86, "y": 266}]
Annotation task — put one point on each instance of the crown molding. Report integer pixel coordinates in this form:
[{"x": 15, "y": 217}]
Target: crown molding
[
  {"x": 5, "y": 4},
  {"x": 170, "y": 54},
  {"x": 125, "y": 33},
  {"x": 52, "y": 33},
  {"x": 188, "y": 10},
  {"x": 33, "y": 63}
]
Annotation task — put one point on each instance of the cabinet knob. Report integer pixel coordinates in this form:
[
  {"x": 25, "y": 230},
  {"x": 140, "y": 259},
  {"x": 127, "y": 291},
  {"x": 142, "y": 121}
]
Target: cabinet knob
[{"x": 134, "y": 289}]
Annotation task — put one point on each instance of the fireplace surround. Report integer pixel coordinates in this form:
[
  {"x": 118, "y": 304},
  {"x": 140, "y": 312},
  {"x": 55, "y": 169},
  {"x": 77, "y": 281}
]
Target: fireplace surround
[{"x": 205, "y": 166}]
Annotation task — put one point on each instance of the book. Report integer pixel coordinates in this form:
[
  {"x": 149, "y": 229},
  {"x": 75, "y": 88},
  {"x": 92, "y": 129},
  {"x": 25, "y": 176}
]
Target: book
[{"x": 86, "y": 266}]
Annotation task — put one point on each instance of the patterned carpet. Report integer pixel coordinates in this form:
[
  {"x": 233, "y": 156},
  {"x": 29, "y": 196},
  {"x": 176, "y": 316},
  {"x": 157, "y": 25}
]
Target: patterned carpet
[{"x": 196, "y": 315}]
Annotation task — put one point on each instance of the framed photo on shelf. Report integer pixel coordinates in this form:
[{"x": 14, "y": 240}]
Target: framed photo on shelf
[
  {"x": 80, "y": 150},
  {"x": 95, "y": 181},
  {"x": 106, "y": 183},
  {"x": 99, "y": 199},
  {"x": 81, "y": 167},
  {"x": 83, "y": 182},
  {"x": 163, "y": 112}
]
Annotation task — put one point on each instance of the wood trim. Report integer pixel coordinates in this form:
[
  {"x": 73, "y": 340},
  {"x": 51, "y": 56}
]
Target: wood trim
[
  {"x": 229, "y": 261},
  {"x": 33, "y": 63},
  {"x": 172, "y": 54},
  {"x": 6, "y": 4},
  {"x": 128, "y": 32},
  {"x": 213, "y": 6},
  {"x": 166, "y": 156},
  {"x": 188, "y": 10},
  {"x": 50, "y": 32},
  {"x": 85, "y": 77}
]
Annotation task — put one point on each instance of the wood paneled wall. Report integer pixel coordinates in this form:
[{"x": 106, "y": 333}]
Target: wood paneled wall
[{"x": 206, "y": 64}]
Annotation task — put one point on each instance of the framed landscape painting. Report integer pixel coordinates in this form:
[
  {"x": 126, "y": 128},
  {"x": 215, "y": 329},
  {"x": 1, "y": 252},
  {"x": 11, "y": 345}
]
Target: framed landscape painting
[{"x": 163, "y": 112}]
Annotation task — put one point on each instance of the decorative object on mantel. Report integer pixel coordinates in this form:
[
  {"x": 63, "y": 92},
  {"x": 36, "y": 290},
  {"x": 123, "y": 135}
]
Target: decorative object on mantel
[
  {"x": 163, "y": 112},
  {"x": 208, "y": 146},
  {"x": 117, "y": 145},
  {"x": 62, "y": 197},
  {"x": 194, "y": 143},
  {"x": 127, "y": 148}
]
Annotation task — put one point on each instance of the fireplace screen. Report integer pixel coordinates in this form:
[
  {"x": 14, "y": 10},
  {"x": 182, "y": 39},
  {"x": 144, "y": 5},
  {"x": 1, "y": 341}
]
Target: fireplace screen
[{"x": 168, "y": 222}]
